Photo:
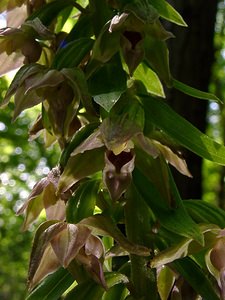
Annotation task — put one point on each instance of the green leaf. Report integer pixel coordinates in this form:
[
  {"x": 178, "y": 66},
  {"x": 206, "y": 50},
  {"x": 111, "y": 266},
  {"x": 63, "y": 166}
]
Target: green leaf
[
  {"x": 81, "y": 205},
  {"x": 63, "y": 16},
  {"x": 53, "y": 286},
  {"x": 183, "y": 132},
  {"x": 158, "y": 174},
  {"x": 186, "y": 89},
  {"x": 89, "y": 290},
  {"x": 81, "y": 166},
  {"x": 137, "y": 217},
  {"x": 204, "y": 212},
  {"x": 143, "y": 10},
  {"x": 48, "y": 12},
  {"x": 107, "y": 100},
  {"x": 72, "y": 53},
  {"x": 105, "y": 226},
  {"x": 165, "y": 282},
  {"x": 174, "y": 219},
  {"x": 117, "y": 292},
  {"x": 179, "y": 250},
  {"x": 82, "y": 28},
  {"x": 114, "y": 278},
  {"x": 105, "y": 47},
  {"x": 187, "y": 247},
  {"x": 196, "y": 277},
  {"x": 108, "y": 83},
  {"x": 150, "y": 80},
  {"x": 75, "y": 78},
  {"x": 109, "y": 78},
  {"x": 101, "y": 14},
  {"x": 157, "y": 32},
  {"x": 76, "y": 140},
  {"x": 157, "y": 57},
  {"x": 166, "y": 11}
]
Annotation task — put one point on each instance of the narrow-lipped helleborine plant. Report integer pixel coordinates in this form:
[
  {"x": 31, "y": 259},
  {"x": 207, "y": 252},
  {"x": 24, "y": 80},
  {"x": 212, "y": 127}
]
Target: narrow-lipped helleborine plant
[{"x": 116, "y": 227}]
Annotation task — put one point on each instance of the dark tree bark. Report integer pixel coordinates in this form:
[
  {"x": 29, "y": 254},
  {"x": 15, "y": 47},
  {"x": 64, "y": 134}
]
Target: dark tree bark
[{"x": 191, "y": 58}]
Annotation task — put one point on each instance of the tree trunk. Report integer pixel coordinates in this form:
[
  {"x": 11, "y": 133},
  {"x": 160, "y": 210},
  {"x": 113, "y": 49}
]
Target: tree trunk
[{"x": 191, "y": 58}]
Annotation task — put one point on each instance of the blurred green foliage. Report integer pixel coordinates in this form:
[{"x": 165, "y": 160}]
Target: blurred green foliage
[
  {"x": 22, "y": 163},
  {"x": 214, "y": 175}
]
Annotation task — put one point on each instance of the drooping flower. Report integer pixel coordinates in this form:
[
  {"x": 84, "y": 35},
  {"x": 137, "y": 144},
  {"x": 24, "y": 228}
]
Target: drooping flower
[{"x": 58, "y": 244}]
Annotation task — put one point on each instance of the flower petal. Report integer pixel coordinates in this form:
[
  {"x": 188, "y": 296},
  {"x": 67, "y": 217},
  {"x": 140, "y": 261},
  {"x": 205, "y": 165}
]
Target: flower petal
[{"x": 69, "y": 241}]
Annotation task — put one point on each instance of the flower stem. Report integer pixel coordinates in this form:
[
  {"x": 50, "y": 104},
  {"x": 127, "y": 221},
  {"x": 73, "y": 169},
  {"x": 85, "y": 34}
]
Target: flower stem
[{"x": 138, "y": 230}]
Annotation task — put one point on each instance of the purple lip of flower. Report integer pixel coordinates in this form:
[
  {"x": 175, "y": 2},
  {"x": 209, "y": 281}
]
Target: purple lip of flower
[
  {"x": 119, "y": 160},
  {"x": 133, "y": 36}
]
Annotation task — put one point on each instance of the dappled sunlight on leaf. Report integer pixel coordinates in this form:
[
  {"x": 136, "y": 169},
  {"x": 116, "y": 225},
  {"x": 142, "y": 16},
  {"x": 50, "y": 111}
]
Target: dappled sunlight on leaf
[
  {"x": 150, "y": 80},
  {"x": 187, "y": 246}
]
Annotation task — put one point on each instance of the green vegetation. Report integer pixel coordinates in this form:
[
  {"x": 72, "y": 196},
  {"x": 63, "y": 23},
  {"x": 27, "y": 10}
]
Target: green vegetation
[
  {"x": 22, "y": 163},
  {"x": 109, "y": 221}
]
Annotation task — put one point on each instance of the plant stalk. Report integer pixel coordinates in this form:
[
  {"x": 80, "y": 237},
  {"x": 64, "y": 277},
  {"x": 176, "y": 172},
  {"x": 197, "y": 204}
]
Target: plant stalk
[{"x": 138, "y": 229}]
